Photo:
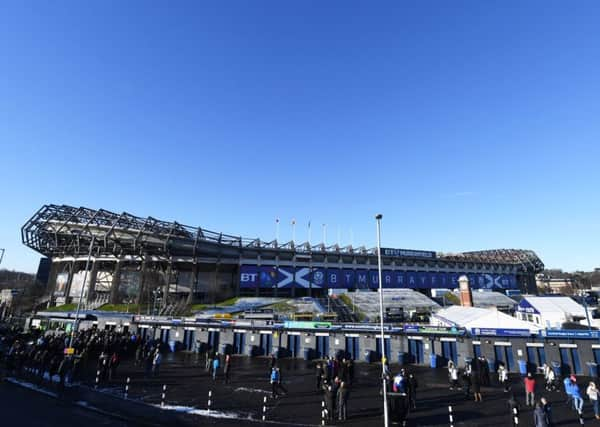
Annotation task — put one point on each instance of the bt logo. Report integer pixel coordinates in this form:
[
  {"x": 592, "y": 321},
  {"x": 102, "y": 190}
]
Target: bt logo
[{"x": 248, "y": 277}]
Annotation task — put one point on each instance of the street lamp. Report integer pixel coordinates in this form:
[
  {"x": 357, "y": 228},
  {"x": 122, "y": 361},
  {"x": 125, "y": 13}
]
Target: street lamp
[
  {"x": 87, "y": 264},
  {"x": 378, "y": 218},
  {"x": 157, "y": 293}
]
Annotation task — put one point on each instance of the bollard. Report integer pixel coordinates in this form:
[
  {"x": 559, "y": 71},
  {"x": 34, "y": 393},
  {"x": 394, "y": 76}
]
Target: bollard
[
  {"x": 323, "y": 411},
  {"x": 264, "y": 408},
  {"x": 209, "y": 401},
  {"x": 126, "y": 388},
  {"x": 97, "y": 378},
  {"x": 162, "y": 398},
  {"x": 515, "y": 416},
  {"x": 450, "y": 416}
]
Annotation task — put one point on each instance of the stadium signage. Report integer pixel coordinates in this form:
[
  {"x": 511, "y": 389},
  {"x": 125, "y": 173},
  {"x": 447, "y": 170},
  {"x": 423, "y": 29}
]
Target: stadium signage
[
  {"x": 366, "y": 327},
  {"x": 570, "y": 333},
  {"x": 526, "y": 307},
  {"x": 407, "y": 253},
  {"x": 253, "y": 276},
  {"x": 294, "y": 324},
  {"x": 491, "y": 332},
  {"x": 417, "y": 329}
]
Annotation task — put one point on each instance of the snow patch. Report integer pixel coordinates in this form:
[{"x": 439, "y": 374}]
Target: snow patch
[
  {"x": 252, "y": 390},
  {"x": 203, "y": 412}
]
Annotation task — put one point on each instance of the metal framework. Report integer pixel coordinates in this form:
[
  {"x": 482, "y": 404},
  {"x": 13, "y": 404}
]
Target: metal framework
[{"x": 61, "y": 230}]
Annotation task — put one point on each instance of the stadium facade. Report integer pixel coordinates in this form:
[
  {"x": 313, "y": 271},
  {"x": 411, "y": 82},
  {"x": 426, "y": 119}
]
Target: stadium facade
[{"x": 131, "y": 258}]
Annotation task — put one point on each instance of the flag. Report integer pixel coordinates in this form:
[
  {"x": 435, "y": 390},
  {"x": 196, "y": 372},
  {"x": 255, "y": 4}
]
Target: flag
[{"x": 277, "y": 220}]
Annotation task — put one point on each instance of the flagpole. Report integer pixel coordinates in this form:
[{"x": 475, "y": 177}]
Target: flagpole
[
  {"x": 277, "y": 230},
  {"x": 294, "y": 231},
  {"x": 309, "y": 233},
  {"x": 325, "y": 235}
]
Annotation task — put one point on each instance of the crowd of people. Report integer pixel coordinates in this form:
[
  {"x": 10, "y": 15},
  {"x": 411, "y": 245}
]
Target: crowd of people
[
  {"x": 334, "y": 377},
  {"x": 67, "y": 358},
  {"x": 95, "y": 355}
]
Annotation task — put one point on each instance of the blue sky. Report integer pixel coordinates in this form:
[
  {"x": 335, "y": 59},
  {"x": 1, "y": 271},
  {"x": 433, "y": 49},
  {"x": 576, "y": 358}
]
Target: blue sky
[{"x": 470, "y": 125}]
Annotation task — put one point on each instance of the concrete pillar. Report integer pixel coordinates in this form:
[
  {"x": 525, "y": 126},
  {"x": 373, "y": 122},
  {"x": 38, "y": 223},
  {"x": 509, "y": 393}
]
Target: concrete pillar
[
  {"x": 71, "y": 269},
  {"x": 54, "y": 269},
  {"x": 142, "y": 283},
  {"x": 215, "y": 289},
  {"x": 116, "y": 281},
  {"x": 193, "y": 284},
  {"x": 92, "y": 275},
  {"x": 168, "y": 283}
]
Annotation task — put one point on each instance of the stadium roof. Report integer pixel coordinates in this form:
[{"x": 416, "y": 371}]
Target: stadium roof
[{"x": 59, "y": 230}]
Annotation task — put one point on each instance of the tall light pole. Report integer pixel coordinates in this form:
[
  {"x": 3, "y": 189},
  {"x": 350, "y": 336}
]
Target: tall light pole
[
  {"x": 378, "y": 218},
  {"x": 87, "y": 264}
]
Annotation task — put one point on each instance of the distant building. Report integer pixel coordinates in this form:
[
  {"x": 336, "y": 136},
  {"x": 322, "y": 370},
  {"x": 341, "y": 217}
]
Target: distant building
[
  {"x": 552, "y": 285},
  {"x": 550, "y": 312}
]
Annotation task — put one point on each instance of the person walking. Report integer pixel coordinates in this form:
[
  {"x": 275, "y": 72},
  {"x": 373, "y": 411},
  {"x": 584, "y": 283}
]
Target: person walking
[
  {"x": 466, "y": 382},
  {"x": 280, "y": 385},
  {"x": 227, "y": 368},
  {"x": 567, "y": 382},
  {"x": 209, "y": 360},
  {"x": 503, "y": 377},
  {"x": 550, "y": 378},
  {"x": 412, "y": 385},
  {"x": 476, "y": 382},
  {"x": 399, "y": 384},
  {"x": 576, "y": 394},
  {"x": 452, "y": 375},
  {"x": 539, "y": 417},
  {"x": 342, "y": 401},
  {"x": 215, "y": 366},
  {"x": 156, "y": 361},
  {"x": 529, "y": 390},
  {"x": 113, "y": 365},
  {"x": 547, "y": 407},
  {"x": 330, "y": 403},
  {"x": 592, "y": 392},
  {"x": 148, "y": 363},
  {"x": 274, "y": 379},
  {"x": 319, "y": 376}
]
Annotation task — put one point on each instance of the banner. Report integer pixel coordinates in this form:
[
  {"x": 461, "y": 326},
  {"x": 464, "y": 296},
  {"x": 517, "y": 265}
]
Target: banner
[
  {"x": 418, "y": 329},
  {"x": 490, "y": 332},
  {"x": 252, "y": 276},
  {"x": 570, "y": 333}
]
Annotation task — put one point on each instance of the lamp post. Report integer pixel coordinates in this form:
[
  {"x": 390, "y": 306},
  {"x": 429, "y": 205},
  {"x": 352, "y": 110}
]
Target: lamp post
[
  {"x": 87, "y": 264},
  {"x": 378, "y": 218},
  {"x": 157, "y": 294}
]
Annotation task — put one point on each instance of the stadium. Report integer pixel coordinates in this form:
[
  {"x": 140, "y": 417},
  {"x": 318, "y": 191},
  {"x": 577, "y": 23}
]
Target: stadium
[{"x": 121, "y": 258}]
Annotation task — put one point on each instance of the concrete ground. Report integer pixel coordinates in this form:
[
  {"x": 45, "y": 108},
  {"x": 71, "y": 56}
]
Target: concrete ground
[
  {"x": 188, "y": 386},
  {"x": 240, "y": 403}
]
